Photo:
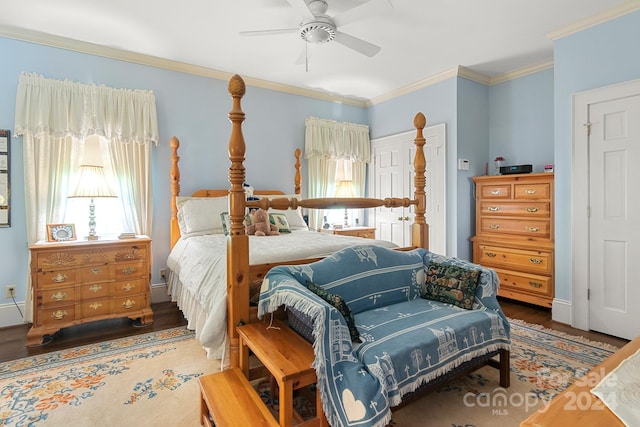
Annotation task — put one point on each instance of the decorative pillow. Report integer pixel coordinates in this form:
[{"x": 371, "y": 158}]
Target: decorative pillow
[
  {"x": 226, "y": 222},
  {"x": 200, "y": 215},
  {"x": 340, "y": 305},
  {"x": 450, "y": 284},
  {"x": 280, "y": 220}
]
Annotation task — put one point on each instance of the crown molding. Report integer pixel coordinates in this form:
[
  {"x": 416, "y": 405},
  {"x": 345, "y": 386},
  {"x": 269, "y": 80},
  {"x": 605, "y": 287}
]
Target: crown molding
[
  {"x": 531, "y": 69},
  {"x": 154, "y": 61},
  {"x": 612, "y": 13}
]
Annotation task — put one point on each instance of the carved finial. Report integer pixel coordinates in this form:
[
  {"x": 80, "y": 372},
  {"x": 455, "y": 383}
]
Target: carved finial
[
  {"x": 419, "y": 121},
  {"x": 236, "y": 86},
  {"x": 174, "y": 143}
]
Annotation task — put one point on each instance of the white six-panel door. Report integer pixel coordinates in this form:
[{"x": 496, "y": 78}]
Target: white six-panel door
[{"x": 607, "y": 187}]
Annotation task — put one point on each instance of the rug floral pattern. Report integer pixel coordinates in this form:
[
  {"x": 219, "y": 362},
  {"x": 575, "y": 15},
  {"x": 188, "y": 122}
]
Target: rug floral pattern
[{"x": 29, "y": 395}]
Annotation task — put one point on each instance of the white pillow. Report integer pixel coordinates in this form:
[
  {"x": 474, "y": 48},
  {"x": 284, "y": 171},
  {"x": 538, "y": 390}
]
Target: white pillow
[
  {"x": 201, "y": 215},
  {"x": 294, "y": 216}
]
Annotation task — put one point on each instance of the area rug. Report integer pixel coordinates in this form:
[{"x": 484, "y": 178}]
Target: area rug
[
  {"x": 143, "y": 380},
  {"x": 151, "y": 380}
]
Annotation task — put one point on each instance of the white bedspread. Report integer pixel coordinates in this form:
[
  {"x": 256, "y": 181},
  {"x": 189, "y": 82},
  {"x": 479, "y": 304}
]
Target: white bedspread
[{"x": 198, "y": 274}]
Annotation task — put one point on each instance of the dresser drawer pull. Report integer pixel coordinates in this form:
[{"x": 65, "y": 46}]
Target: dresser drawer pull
[
  {"x": 493, "y": 208},
  {"x": 95, "y": 271},
  {"x": 532, "y": 210},
  {"x": 490, "y": 254},
  {"x": 532, "y": 229},
  {"x": 494, "y": 226},
  {"x": 535, "y": 260},
  {"x": 59, "y": 278},
  {"x": 95, "y": 305},
  {"x": 129, "y": 304},
  {"x": 128, "y": 287},
  {"x": 59, "y": 296},
  {"x": 59, "y": 314},
  {"x": 536, "y": 284},
  {"x": 95, "y": 288},
  {"x": 529, "y": 191},
  {"x": 495, "y": 192},
  {"x": 128, "y": 270}
]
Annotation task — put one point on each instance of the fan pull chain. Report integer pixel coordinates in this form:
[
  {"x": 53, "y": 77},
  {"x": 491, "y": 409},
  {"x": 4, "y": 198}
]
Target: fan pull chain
[{"x": 306, "y": 56}]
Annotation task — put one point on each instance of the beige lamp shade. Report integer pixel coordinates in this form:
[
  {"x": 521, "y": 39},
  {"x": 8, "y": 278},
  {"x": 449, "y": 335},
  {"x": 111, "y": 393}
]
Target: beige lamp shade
[
  {"x": 93, "y": 183},
  {"x": 345, "y": 189}
]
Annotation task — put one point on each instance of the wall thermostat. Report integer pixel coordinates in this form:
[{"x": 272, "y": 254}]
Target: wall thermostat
[{"x": 463, "y": 164}]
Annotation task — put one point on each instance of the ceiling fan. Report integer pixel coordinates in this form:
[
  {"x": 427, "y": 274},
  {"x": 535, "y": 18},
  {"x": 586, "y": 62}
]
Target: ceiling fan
[{"x": 319, "y": 28}]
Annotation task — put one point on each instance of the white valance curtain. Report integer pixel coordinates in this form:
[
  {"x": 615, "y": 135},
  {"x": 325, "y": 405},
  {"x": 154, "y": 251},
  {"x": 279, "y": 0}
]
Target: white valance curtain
[
  {"x": 60, "y": 108},
  {"x": 54, "y": 118},
  {"x": 326, "y": 143}
]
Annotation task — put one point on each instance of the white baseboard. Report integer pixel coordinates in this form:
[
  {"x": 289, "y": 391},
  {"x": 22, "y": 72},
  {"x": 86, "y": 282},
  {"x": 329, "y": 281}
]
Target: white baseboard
[
  {"x": 159, "y": 293},
  {"x": 10, "y": 316},
  {"x": 561, "y": 311}
]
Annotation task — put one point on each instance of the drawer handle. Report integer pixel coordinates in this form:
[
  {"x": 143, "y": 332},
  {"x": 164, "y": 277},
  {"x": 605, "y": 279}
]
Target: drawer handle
[
  {"x": 59, "y": 278},
  {"x": 129, "y": 304},
  {"x": 59, "y": 296},
  {"x": 491, "y": 254},
  {"x": 493, "y": 208},
  {"x": 536, "y": 284},
  {"x": 95, "y": 305},
  {"x": 129, "y": 286},
  {"x": 95, "y": 271},
  {"x": 532, "y": 229},
  {"x": 495, "y": 192},
  {"x": 535, "y": 260},
  {"x": 529, "y": 191},
  {"x": 494, "y": 226},
  {"x": 532, "y": 210},
  {"x": 128, "y": 270},
  {"x": 59, "y": 314},
  {"x": 95, "y": 288}
]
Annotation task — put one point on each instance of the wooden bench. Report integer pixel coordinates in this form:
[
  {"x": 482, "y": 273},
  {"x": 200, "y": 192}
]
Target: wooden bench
[
  {"x": 228, "y": 399},
  {"x": 288, "y": 358}
]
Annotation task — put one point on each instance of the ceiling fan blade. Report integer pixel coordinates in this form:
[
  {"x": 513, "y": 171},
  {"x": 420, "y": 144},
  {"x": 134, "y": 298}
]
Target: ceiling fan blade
[
  {"x": 302, "y": 8},
  {"x": 360, "y": 12},
  {"x": 359, "y": 45},
  {"x": 269, "y": 32}
]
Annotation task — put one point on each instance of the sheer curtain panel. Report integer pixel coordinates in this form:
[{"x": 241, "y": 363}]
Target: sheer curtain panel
[{"x": 326, "y": 143}]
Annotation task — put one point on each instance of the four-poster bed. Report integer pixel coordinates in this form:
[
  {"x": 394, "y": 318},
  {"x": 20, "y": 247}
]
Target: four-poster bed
[{"x": 239, "y": 273}]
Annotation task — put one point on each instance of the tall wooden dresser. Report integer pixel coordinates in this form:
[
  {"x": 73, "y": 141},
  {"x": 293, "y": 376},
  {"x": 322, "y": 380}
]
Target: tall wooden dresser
[
  {"x": 515, "y": 234},
  {"x": 84, "y": 281}
]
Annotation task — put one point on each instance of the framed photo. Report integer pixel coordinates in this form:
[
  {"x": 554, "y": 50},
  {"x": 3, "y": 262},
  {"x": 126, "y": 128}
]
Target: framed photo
[{"x": 61, "y": 232}]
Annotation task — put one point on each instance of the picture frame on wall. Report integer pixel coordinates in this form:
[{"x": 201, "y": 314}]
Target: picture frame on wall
[
  {"x": 5, "y": 189},
  {"x": 61, "y": 232}
]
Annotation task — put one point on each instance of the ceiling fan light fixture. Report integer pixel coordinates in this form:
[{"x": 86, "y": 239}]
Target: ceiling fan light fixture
[{"x": 317, "y": 32}]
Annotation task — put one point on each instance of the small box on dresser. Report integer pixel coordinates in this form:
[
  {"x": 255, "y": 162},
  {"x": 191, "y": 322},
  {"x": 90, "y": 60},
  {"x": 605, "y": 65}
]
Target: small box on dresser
[
  {"x": 515, "y": 234},
  {"x": 84, "y": 281}
]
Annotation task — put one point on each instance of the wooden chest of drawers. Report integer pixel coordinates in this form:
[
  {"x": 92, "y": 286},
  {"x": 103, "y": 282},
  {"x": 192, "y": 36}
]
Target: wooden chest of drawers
[
  {"x": 356, "y": 231},
  {"x": 78, "y": 282},
  {"x": 515, "y": 234}
]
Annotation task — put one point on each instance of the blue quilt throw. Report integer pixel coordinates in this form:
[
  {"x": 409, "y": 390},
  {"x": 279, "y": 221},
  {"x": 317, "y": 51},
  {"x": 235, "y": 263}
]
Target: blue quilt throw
[{"x": 406, "y": 340}]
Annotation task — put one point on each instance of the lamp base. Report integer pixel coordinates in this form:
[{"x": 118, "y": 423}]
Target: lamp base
[{"x": 93, "y": 237}]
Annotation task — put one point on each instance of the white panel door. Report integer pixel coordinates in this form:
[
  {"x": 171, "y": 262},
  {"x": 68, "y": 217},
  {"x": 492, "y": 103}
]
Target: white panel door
[
  {"x": 392, "y": 176},
  {"x": 614, "y": 222}
]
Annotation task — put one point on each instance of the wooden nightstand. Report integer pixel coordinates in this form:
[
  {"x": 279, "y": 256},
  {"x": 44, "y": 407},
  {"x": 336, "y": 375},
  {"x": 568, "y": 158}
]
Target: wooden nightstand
[
  {"x": 84, "y": 281},
  {"x": 366, "y": 232}
]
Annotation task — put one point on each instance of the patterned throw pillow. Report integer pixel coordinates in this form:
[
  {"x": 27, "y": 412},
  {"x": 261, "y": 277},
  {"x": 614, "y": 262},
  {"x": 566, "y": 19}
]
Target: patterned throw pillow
[
  {"x": 340, "y": 305},
  {"x": 450, "y": 284},
  {"x": 280, "y": 220}
]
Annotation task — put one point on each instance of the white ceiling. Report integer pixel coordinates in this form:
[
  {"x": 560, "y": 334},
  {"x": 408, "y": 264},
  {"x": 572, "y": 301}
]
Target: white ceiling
[{"x": 419, "y": 38}]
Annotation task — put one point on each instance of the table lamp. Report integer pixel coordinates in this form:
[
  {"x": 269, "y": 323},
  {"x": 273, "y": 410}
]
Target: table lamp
[{"x": 93, "y": 183}]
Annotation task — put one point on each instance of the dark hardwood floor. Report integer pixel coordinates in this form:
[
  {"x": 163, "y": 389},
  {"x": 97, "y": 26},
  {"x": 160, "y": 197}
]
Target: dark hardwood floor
[{"x": 166, "y": 315}]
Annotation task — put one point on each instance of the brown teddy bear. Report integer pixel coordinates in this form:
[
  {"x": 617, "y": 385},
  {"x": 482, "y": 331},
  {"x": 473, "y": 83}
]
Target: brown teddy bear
[{"x": 260, "y": 225}]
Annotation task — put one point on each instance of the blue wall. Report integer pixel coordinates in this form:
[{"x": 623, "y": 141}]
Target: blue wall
[{"x": 596, "y": 57}]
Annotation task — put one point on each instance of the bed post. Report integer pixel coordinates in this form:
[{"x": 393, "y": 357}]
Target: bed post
[
  {"x": 420, "y": 228},
  {"x": 174, "y": 230},
  {"x": 238, "y": 241},
  {"x": 298, "y": 176}
]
